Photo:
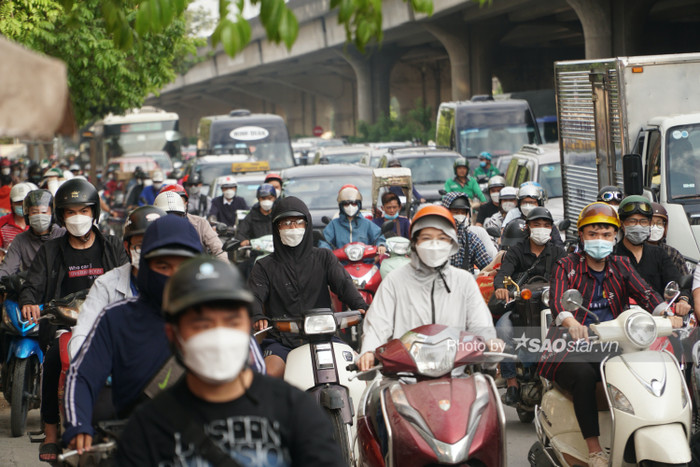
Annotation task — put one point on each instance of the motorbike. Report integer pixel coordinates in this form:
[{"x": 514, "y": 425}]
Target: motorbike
[
  {"x": 365, "y": 276},
  {"x": 645, "y": 417},
  {"x": 319, "y": 367},
  {"x": 398, "y": 249},
  {"x": 428, "y": 403},
  {"x": 258, "y": 248}
]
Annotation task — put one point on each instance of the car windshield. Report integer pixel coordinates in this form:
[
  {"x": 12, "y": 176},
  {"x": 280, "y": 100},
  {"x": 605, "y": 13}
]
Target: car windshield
[
  {"x": 322, "y": 192},
  {"x": 426, "y": 170},
  {"x": 210, "y": 172},
  {"x": 550, "y": 179},
  {"x": 498, "y": 131},
  {"x": 683, "y": 159}
]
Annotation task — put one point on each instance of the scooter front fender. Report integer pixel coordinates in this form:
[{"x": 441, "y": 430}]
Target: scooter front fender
[
  {"x": 660, "y": 444},
  {"x": 24, "y": 348}
]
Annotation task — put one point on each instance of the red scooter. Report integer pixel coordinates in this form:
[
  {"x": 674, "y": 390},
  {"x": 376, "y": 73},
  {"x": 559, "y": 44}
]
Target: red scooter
[
  {"x": 365, "y": 276},
  {"x": 422, "y": 413}
]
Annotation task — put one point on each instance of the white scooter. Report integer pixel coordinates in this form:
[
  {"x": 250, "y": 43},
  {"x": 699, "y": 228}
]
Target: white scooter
[
  {"x": 647, "y": 418},
  {"x": 319, "y": 367}
]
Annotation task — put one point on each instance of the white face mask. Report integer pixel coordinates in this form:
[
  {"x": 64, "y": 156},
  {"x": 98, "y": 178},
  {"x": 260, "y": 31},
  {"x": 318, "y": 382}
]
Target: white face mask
[
  {"x": 526, "y": 208},
  {"x": 216, "y": 355},
  {"x": 40, "y": 222},
  {"x": 656, "y": 234},
  {"x": 540, "y": 235},
  {"x": 350, "y": 210},
  {"x": 78, "y": 225},
  {"x": 266, "y": 204},
  {"x": 292, "y": 237},
  {"x": 6, "y": 171},
  {"x": 508, "y": 205},
  {"x": 460, "y": 218},
  {"x": 229, "y": 193},
  {"x": 434, "y": 253},
  {"x": 157, "y": 185},
  {"x": 135, "y": 257},
  {"x": 495, "y": 197}
]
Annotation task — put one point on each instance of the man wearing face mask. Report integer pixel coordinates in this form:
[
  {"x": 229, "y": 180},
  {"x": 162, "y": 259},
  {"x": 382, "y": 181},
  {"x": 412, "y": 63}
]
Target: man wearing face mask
[
  {"x": 496, "y": 184},
  {"x": 462, "y": 182},
  {"x": 657, "y": 236},
  {"x": 486, "y": 169},
  {"x": 14, "y": 223},
  {"x": 128, "y": 339},
  {"x": 530, "y": 196},
  {"x": 199, "y": 202},
  {"x": 206, "y": 308},
  {"x": 224, "y": 207},
  {"x": 351, "y": 226},
  {"x": 391, "y": 207},
  {"x": 258, "y": 222},
  {"x": 508, "y": 200},
  {"x": 149, "y": 193},
  {"x": 63, "y": 266},
  {"x": 426, "y": 290},
  {"x": 37, "y": 209},
  {"x": 295, "y": 278},
  {"x": 472, "y": 250}
]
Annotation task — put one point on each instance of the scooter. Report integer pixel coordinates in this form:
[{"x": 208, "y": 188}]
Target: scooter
[
  {"x": 431, "y": 405},
  {"x": 647, "y": 418},
  {"x": 365, "y": 276},
  {"x": 398, "y": 248},
  {"x": 320, "y": 367}
]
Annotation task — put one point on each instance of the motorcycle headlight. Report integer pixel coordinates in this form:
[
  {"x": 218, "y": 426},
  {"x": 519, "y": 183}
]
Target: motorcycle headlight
[
  {"x": 619, "y": 400},
  {"x": 434, "y": 359},
  {"x": 354, "y": 252},
  {"x": 545, "y": 297},
  {"x": 640, "y": 329},
  {"x": 319, "y": 324}
]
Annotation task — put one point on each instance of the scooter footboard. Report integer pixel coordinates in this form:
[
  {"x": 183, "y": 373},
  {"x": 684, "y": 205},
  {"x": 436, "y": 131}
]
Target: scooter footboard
[{"x": 662, "y": 443}]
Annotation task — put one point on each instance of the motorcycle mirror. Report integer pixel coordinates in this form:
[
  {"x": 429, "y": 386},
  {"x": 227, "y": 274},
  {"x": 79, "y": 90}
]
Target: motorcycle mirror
[
  {"x": 571, "y": 300},
  {"x": 564, "y": 225},
  {"x": 494, "y": 232},
  {"x": 671, "y": 290},
  {"x": 388, "y": 227},
  {"x": 325, "y": 220},
  {"x": 442, "y": 192},
  {"x": 231, "y": 244}
]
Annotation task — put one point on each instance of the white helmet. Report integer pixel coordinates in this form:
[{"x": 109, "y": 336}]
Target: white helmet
[
  {"x": 169, "y": 201},
  {"x": 349, "y": 193},
  {"x": 227, "y": 180},
  {"x": 158, "y": 176},
  {"x": 19, "y": 191},
  {"x": 509, "y": 192}
]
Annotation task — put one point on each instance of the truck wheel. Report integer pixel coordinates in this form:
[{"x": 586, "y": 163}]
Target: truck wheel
[
  {"x": 21, "y": 386},
  {"x": 340, "y": 434}
]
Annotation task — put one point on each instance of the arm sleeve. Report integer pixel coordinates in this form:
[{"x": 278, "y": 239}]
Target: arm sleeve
[
  {"x": 212, "y": 242},
  {"x": 97, "y": 299},
  {"x": 341, "y": 284},
  {"x": 556, "y": 237},
  {"x": 479, "y": 318},
  {"x": 477, "y": 191},
  {"x": 213, "y": 210},
  {"x": 696, "y": 278},
  {"x": 558, "y": 285},
  {"x": 259, "y": 285},
  {"x": 10, "y": 265},
  {"x": 638, "y": 288},
  {"x": 32, "y": 291},
  {"x": 243, "y": 231},
  {"x": 508, "y": 267},
  {"x": 378, "y": 326},
  {"x": 328, "y": 239},
  {"x": 481, "y": 257},
  {"x": 313, "y": 442},
  {"x": 669, "y": 271},
  {"x": 142, "y": 197},
  {"x": 375, "y": 234}
]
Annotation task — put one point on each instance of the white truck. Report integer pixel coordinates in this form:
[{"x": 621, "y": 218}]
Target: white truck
[{"x": 649, "y": 106}]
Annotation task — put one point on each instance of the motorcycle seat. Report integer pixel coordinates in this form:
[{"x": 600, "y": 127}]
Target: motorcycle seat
[{"x": 601, "y": 399}]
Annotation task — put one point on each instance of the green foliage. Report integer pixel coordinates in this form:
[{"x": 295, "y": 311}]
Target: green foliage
[
  {"x": 102, "y": 76},
  {"x": 417, "y": 124}
]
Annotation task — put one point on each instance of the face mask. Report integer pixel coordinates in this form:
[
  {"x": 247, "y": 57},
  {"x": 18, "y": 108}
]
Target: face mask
[
  {"x": 230, "y": 193},
  {"x": 636, "y": 234},
  {"x": 292, "y": 237},
  {"x": 266, "y": 204},
  {"x": 434, "y": 253},
  {"x": 540, "y": 235},
  {"x": 507, "y": 205},
  {"x": 391, "y": 218},
  {"x": 482, "y": 164},
  {"x": 19, "y": 210},
  {"x": 135, "y": 257},
  {"x": 526, "y": 208},
  {"x": 156, "y": 186},
  {"x": 151, "y": 284},
  {"x": 216, "y": 355},
  {"x": 350, "y": 210},
  {"x": 194, "y": 190},
  {"x": 495, "y": 197},
  {"x": 657, "y": 233},
  {"x": 78, "y": 225},
  {"x": 598, "y": 248},
  {"x": 6, "y": 171},
  {"x": 40, "y": 222},
  {"x": 460, "y": 218}
]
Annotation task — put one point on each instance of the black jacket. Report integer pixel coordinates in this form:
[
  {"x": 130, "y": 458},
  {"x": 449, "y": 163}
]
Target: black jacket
[
  {"x": 255, "y": 225},
  {"x": 48, "y": 268},
  {"x": 656, "y": 267},
  {"x": 519, "y": 259},
  {"x": 292, "y": 281},
  {"x": 226, "y": 213}
]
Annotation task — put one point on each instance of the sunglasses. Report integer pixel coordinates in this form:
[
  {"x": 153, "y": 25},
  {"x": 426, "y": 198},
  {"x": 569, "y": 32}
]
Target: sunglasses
[
  {"x": 644, "y": 208},
  {"x": 290, "y": 224},
  {"x": 611, "y": 196},
  {"x": 348, "y": 203}
]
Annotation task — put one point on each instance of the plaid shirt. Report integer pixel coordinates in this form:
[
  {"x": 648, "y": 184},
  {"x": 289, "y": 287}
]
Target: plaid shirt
[
  {"x": 472, "y": 252},
  {"x": 676, "y": 257}
]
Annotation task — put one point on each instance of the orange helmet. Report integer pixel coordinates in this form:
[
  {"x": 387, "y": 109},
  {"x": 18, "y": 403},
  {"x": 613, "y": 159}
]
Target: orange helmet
[
  {"x": 598, "y": 213},
  {"x": 432, "y": 210}
]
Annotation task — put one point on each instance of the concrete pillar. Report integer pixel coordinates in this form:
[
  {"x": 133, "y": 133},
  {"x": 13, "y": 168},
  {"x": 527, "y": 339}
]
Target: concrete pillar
[
  {"x": 596, "y": 19},
  {"x": 628, "y": 21},
  {"x": 363, "y": 75},
  {"x": 456, "y": 43}
]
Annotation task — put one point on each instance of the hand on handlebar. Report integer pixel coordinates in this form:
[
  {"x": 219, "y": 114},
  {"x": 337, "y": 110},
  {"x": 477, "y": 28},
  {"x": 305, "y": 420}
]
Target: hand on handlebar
[
  {"x": 245, "y": 243},
  {"x": 501, "y": 294},
  {"x": 381, "y": 250},
  {"x": 82, "y": 442},
  {"x": 676, "y": 321},
  {"x": 496, "y": 345},
  {"x": 366, "y": 361},
  {"x": 260, "y": 324},
  {"x": 31, "y": 313},
  {"x": 576, "y": 330},
  {"x": 682, "y": 308}
]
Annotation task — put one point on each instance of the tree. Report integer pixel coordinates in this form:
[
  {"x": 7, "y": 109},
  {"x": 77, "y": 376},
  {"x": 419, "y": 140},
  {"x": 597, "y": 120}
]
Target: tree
[
  {"x": 417, "y": 124},
  {"x": 103, "y": 77}
]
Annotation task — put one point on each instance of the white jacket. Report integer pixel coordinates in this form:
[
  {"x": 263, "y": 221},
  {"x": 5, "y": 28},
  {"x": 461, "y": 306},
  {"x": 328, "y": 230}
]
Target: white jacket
[{"x": 403, "y": 302}]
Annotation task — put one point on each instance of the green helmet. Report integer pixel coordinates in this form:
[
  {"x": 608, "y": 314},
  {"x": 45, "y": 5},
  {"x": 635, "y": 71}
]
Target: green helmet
[
  {"x": 460, "y": 162},
  {"x": 634, "y": 204}
]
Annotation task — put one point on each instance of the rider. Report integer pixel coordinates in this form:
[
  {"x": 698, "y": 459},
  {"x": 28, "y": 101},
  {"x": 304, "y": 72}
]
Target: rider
[
  {"x": 199, "y": 202},
  {"x": 391, "y": 207},
  {"x": 657, "y": 236},
  {"x": 428, "y": 290},
  {"x": 134, "y": 188},
  {"x": 275, "y": 180},
  {"x": 496, "y": 184},
  {"x": 513, "y": 234},
  {"x": 14, "y": 223},
  {"x": 128, "y": 339},
  {"x": 206, "y": 307},
  {"x": 62, "y": 266},
  {"x": 607, "y": 282},
  {"x": 149, "y": 193},
  {"x": 351, "y": 226},
  {"x": 530, "y": 196},
  {"x": 294, "y": 278},
  {"x": 37, "y": 208},
  {"x": 258, "y": 223},
  {"x": 472, "y": 251},
  {"x": 486, "y": 169},
  {"x": 223, "y": 208},
  {"x": 462, "y": 182},
  {"x": 524, "y": 261},
  {"x": 507, "y": 202}
]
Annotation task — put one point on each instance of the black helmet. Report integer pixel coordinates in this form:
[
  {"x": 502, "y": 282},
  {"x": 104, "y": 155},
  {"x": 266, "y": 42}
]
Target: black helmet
[
  {"x": 76, "y": 191},
  {"x": 609, "y": 194},
  {"x": 139, "y": 219},
  {"x": 194, "y": 179},
  {"x": 265, "y": 190},
  {"x": 37, "y": 198},
  {"x": 513, "y": 233},
  {"x": 200, "y": 280},
  {"x": 460, "y": 202},
  {"x": 139, "y": 173},
  {"x": 460, "y": 162},
  {"x": 394, "y": 163},
  {"x": 540, "y": 213}
]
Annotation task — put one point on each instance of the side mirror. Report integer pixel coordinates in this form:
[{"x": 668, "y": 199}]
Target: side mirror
[
  {"x": 564, "y": 225},
  {"x": 672, "y": 288},
  {"x": 442, "y": 192},
  {"x": 494, "y": 232},
  {"x": 388, "y": 227},
  {"x": 571, "y": 300},
  {"x": 325, "y": 220},
  {"x": 231, "y": 244},
  {"x": 634, "y": 174}
]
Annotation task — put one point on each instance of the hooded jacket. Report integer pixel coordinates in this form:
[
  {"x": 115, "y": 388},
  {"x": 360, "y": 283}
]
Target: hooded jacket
[
  {"x": 128, "y": 339},
  {"x": 255, "y": 225},
  {"x": 24, "y": 248},
  {"x": 342, "y": 231},
  {"x": 292, "y": 281}
]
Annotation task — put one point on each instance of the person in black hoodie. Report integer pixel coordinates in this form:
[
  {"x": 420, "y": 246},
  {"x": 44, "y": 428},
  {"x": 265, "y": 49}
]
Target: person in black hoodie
[
  {"x": 294, "y": 279},
  {"x": 258, "y": 221}
]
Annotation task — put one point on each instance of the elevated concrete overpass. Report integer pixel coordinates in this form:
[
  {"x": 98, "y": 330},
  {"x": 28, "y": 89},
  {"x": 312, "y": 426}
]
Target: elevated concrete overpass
[{"x": 454, "y": 54}]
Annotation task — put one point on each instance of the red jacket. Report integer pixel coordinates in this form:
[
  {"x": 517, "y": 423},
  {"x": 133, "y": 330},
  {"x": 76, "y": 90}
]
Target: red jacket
[
  {"x": 5, "y": 204},
  {"x": 9, "y": 230}
]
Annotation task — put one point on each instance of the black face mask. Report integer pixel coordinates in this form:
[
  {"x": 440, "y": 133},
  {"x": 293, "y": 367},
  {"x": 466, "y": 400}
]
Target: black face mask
[{"x": 152, "y": 284}]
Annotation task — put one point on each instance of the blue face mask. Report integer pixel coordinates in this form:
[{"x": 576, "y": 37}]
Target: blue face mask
[
  {"x": 482, "y": 163},
  {"x": 391, "y": 218},
  {"x": 598, "y": 248},
  {"x": 19, "y": 210}
]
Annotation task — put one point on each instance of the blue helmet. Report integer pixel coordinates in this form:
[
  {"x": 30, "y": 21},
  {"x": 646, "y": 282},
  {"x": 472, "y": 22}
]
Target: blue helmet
[{"x": 266, "y": 190}]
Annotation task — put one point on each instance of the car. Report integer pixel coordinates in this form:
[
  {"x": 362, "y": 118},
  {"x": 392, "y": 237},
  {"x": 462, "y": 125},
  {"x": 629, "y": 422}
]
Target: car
[
  {"x": 379, "y": 149},
  {"x": 350, "y": 154},
  {"x": 318, "y": 186},
  {"x": 430, "y": 167},
  {"x": 212, "y": 167}
]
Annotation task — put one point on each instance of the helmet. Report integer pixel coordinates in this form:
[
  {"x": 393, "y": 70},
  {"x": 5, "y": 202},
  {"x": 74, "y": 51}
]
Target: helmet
[
  {"x": 5, "y": 163},
  {"x": 394, "y": 163},
  {"x": 429, "y": 211},
  {"x": 460, "y": 162},
  {"x": 139, "y": 173},
  {"x": 273, "y": 176},
  {"x": 509, "y": 192},
  {"x": 529, "y": 191},
  {"x": 76, "y": 191},
  {"x": 350, "y": 193},
  {"x": 194, "y": 179},
  {"x": 658, "y": 210},
  {"x": 460, "y": 202},
  {"x": 19, "y": 192},
  {"x": 597, "y": 213},
  {"x": 540, "y": 213},
  {"x": 485, "y": 155},
  {"x": 139, "y": 219},
  {"x": 609, "y": 194},
  {"x": 176, "y": 188},
  {"x": 634, "y": 204},
  {"x": 157, "y": 176},
  {"x": 170, "y": 202},
  {"x": 497, "y": 181},
  {"x": 75, "y": 167},
  {"x": 513, "y": 233},
  {"x": 54, "y": 172},
  {"x": 265, "y": 190},
  {"x": 227, "y": 180},
  {"x": 36, "y": 198},
  {"x": 201, "y": 280}
]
